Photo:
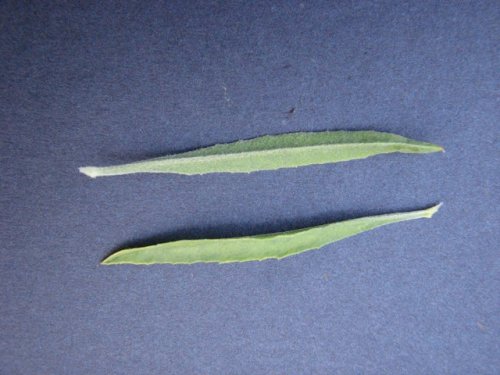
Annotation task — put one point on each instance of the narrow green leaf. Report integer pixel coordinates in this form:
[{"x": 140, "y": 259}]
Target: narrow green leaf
[
  {"x": 273, "y": 152},
  {"x": 260, "y": 247}
]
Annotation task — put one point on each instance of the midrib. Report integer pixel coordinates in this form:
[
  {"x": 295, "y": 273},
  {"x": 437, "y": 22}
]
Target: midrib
[{"x": 217, "y": 157}]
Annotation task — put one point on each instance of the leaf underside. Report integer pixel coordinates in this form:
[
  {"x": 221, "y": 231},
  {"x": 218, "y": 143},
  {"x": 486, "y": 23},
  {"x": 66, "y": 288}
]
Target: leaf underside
[
  {"x": 259, "y": 247},
  {"x": 273, "y": 152}
]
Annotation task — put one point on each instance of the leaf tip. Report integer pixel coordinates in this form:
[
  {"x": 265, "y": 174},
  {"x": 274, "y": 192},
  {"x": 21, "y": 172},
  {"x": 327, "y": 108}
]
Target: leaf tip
[
  {"x": 436, "y": 148},
  {"x": 432, "y": 210},
  {"x": 108, "y": 261},
  {"x": 92, "y": 172}
]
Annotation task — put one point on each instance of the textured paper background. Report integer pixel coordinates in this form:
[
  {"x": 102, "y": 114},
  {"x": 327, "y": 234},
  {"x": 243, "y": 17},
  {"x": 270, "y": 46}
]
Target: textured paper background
[{"x": 99, "y": 83}]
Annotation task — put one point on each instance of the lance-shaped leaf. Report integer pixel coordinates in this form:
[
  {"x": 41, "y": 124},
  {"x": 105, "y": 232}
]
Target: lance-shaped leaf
[
  {"x": 273, "y": 152},
  {"x": 260, "y": 247}
]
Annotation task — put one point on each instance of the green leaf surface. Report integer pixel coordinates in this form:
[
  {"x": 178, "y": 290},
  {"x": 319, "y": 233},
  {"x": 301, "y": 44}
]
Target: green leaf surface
[
  {"x": 260, "y": 247},
  {"x": 273, "y": 152}
]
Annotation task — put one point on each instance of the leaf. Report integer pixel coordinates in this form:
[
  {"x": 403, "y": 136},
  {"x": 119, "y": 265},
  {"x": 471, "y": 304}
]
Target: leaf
[
  {"x": 260, "y": 247},
  {"x": 273, "y": 152}
]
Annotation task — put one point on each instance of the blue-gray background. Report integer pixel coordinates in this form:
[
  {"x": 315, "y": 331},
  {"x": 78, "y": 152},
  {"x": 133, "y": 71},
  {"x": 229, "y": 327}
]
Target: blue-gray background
[{"x": 99, "y": 83}]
